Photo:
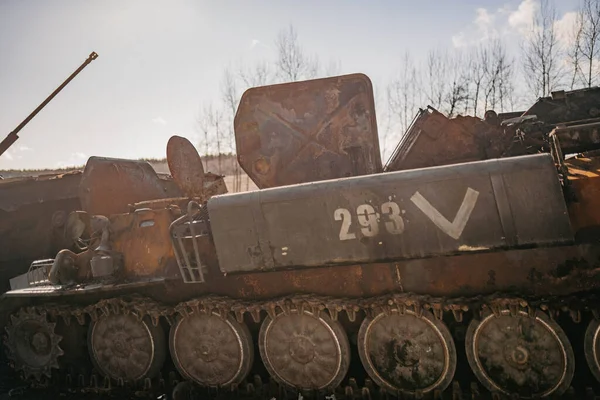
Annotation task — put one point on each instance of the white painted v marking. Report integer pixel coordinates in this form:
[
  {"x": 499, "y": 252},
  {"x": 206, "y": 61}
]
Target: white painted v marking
[{"x": 455, "y": 228}]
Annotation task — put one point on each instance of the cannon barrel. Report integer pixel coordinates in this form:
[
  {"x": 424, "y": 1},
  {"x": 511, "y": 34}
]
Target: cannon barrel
[{"x": 12, "y": 137}]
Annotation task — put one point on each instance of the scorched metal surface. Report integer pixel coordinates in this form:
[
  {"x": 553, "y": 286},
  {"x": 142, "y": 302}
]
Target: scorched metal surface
[
  {"x": 399, "y": 215},
  {"x": 109, "y": 185},
  {"x": 308, "y": 131}
]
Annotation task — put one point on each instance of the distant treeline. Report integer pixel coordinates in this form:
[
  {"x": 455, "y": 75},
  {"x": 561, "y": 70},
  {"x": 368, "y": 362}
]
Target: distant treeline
[{"x": 211, "y": 164}]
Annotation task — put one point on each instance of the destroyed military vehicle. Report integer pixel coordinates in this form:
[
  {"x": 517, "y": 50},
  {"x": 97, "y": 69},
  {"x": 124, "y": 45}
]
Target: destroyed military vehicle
[{"x": 471, "y": 256}]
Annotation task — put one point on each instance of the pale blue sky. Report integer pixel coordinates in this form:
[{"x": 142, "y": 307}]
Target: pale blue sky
[{"x": 159, "y": 61}]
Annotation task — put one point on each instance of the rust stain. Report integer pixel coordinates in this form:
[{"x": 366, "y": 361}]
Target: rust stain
[
  {"x": 308, "y": 131},
  {"x": 434, "y": 139},
  {"x": 31, "y": 220},
  {"x": 143, "y": 238},
  {"x": 585, "y": 211},
  {"x": 108, "y": 185},
  {"x": 254, "y": 286},
  {"x": 185, "y": 166}
]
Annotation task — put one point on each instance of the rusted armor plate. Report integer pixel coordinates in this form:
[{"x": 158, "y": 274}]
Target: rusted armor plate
[
  {"x": 308, "y": 131},
  {"x": 18, "y": 192},
  {"x": 571, "y": 105},
  {"x": 414, "y": 214},
  {"x": 33, "y": 212},
  {"x": 433, "y": 139},
  {"x": 538, "y": 271},
  {"x": 143, "y": 237},
  {"x": 109, "y": 185},
  {"x": 185, "y": 166},
  {"x": 578, "y": 138}
]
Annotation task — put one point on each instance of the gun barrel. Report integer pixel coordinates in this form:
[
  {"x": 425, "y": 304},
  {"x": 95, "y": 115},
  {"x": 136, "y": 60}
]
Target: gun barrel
[{"x": 12, "y": 137}]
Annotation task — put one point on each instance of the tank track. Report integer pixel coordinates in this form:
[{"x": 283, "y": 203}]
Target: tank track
[{"x": 571, "y": 311}]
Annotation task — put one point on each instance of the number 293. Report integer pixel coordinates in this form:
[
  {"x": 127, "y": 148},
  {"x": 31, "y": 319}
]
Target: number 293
[{"x": 369, "y": 220}]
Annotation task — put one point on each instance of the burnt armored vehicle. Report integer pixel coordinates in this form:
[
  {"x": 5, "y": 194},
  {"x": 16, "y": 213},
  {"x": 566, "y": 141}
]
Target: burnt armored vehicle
[{"x": 335, "y": 274}]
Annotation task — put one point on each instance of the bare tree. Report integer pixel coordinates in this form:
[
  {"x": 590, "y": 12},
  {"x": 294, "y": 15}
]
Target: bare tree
[
  {"x": 204, "y": 123},
  {"x": 480, "y": 67},
  {"x": 401, "y": 93},
  {"x": 333, "y": 68},
  {"x": 258, "y": 74},
  {"x": 587, "y": 42},
  {"x": 382, "y": 114},
  {"x": 210, "y": 122},
  {"x": 542, "y": 53},
  {"x": 215, "y": 119},
  {"x": 458, "y": 70},
  {"x": 437, "y": 64},
  {"x": 448, "y": 81},
  {"x": 498, "y": 77},
  {"x": 506, "y": 86},
  {"x": 229, "y": 91},
  {"x": 574, "y": 52},
  {"x": 292, "y": 61}
]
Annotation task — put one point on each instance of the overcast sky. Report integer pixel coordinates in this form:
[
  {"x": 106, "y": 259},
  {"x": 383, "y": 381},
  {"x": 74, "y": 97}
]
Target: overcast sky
[{"x": 160, "y": 61}]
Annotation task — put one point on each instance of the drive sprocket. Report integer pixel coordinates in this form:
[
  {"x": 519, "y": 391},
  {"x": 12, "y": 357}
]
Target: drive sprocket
[{"x": 32, "y": 343}]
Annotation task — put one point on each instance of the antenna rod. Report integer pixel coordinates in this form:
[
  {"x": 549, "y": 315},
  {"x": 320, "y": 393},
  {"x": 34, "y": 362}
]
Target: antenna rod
[{"x": 12, "y": 137}]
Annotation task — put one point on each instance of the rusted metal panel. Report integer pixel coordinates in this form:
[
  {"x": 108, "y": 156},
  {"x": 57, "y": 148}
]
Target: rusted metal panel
[
  {"x": 585, "y": 211},
  {"x": 422, "y": 213},
  {"x": 214, "y": 184},
  {"x": 33, "y": 211},
  {"x": 186, "y": 166},
  {"x": 308, "y": 131},
  {"x": 578, "y": 138},
  {"x": 143, "y": 238},
  {"x": 567, "y": 106},
  {"x": 433, "y": 139},
  {"x": 582, "y": 174},
  {"x": 19, "y": 192},
  {"x": 109, "y": 185},
  {"x": 35, "y": 231},
  {"x": 542, "y": 271}
]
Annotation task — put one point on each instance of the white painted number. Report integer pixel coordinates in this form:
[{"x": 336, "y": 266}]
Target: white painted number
[
  {"x": 341, "y": 214},
  {"x": 367, "y": 218},
  {"x": 395, "y": 225}
]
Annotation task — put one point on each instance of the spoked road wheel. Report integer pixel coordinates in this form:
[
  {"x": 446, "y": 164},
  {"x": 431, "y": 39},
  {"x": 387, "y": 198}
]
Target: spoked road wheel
[
  {"x": 124, "y": 347},
  {"x": 592, "y": 347},
  {"x": 210, "y": 350},
  {"x": 519, "y": 354},
  {"x": 404, "y": 352},
  {"x": 304, "y": 351},
  {"x": 32, "y": 343}
]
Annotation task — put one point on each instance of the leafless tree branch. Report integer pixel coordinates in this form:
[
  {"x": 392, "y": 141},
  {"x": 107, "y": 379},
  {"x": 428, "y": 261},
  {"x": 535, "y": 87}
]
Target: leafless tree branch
[{"x": 542, "y": 52}]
